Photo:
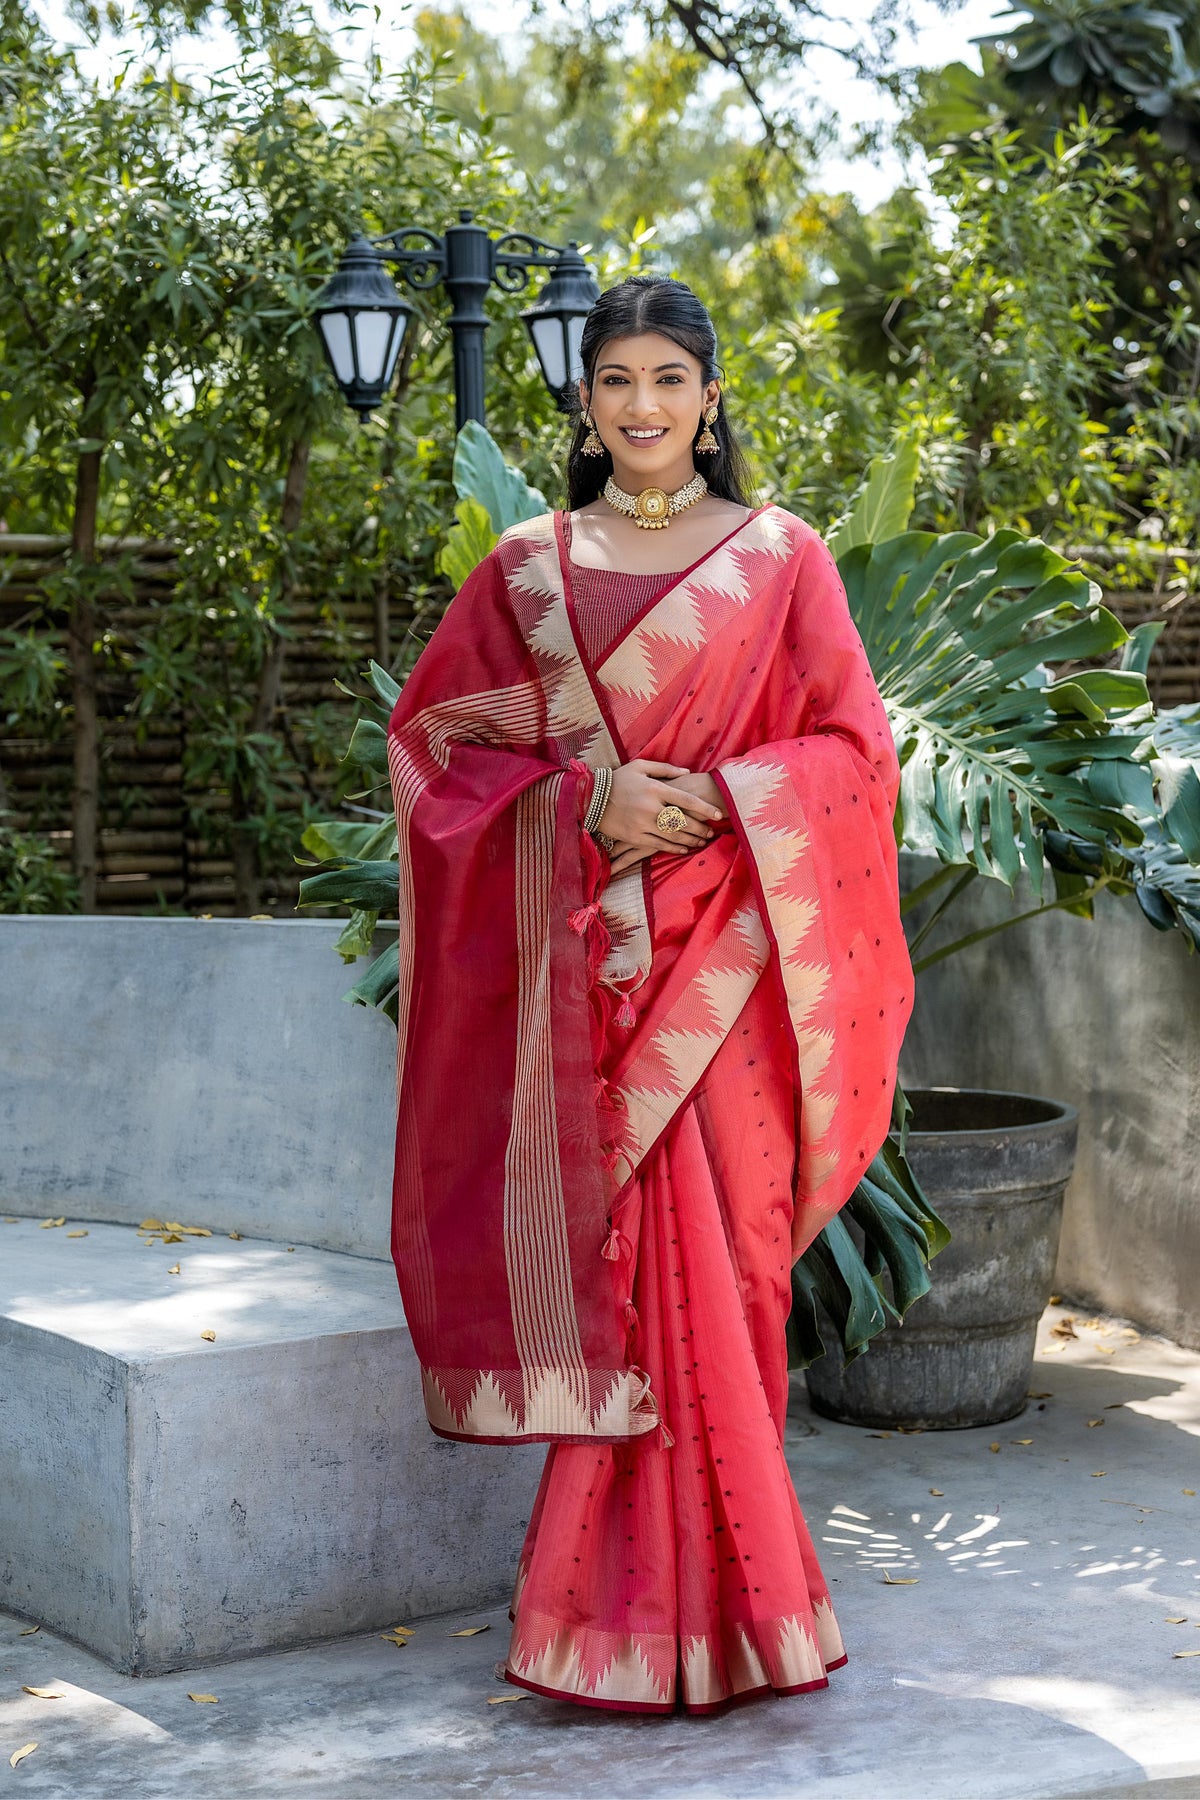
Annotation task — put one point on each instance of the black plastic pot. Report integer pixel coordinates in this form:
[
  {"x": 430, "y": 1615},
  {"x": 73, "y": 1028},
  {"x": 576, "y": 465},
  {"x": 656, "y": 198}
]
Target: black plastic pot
[{"x": 995, "y": 1166}]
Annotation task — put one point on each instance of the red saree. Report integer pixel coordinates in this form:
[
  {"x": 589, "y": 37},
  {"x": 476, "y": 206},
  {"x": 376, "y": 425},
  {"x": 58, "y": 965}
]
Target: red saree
[{"x": 626, "y": 1105}]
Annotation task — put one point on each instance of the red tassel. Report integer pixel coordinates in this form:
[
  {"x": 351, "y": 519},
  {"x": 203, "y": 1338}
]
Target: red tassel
[
  {"x": 612, "y": 1248},
  {"x": 625, "y": 1013},
  {"x": 582, "y": 917}
]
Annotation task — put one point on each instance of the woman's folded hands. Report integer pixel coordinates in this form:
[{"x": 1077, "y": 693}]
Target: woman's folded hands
[{"x": 640, "y": 791}]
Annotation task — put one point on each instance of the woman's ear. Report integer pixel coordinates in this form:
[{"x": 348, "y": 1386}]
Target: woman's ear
[{"x": 583, "y": 394}]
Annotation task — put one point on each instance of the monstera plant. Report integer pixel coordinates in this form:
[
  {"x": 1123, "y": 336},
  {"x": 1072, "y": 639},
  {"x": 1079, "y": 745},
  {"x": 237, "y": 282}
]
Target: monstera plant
[{"x": 1020, "y": 755}]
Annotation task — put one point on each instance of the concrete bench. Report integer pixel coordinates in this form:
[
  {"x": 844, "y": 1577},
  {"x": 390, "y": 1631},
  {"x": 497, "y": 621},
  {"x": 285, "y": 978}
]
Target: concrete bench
[{"x": 166, "y": 1499}]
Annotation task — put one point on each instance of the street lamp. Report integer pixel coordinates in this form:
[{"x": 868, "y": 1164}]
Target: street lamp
[{"x": 362, "y": 319}]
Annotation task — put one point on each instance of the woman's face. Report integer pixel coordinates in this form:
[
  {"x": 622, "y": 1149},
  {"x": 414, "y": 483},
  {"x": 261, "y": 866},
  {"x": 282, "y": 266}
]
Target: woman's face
[{"x": 647, "y": 397}]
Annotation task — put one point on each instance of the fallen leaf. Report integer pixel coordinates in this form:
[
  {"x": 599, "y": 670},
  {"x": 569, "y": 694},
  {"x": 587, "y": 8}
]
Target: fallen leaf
[
  {"x": 262, "y": 918},
  {"x": 291, "y": 1249},
  {"x": 1056, "y": 1299},
  {"x": 389, "y": 1637},
  {"x": 995, "y": 1448},
  {"x": 174, "y": 1269},
  {"x": 900, "y": 1580},
  {"x": 1092, "y": 1422},
  {"x": 1020, "y": 1440},
  {"x": 236, "y": 1236},
  {"x": 1113, "y": 1405},
  {"x": 205, "y": 915},
  {"x": 1030, "y": 1395},
  {"x": 29, "y": 1631},
  {"x": 46, "y": 1224},
  {"x": 210, "y": 1337},
  {"x": 171, "y": 1237},
  {"x": 20, "y": 1755},
  {"x": 77, "y": 1234},
  {"x": 152, "y": 1225},
  {"x": 469, "y": 1631},
  {"x": 1063, "y": 1328},
  {"x": 910, "y": 1430},
  {"x": 12, "y": 1221},
  {"x": 1180, "y": 1621},
  {"x": 879, "y": 1434},
  {"x": 205, "y": 1699},
  {"x": 1106, "y": 1349},
  {"x": 1190, "y": 1492},
  {"x": 1131, "y": 1334},
  {"x": 1177, "y": 1653},
  {"x": 46, "y": 1693},
  {"x": 406, "y": 1629},
  {"x": 1097, "y": 1473},
  {"x": 938, "y": 1493},
  {"x": 503, "y": 1699}
]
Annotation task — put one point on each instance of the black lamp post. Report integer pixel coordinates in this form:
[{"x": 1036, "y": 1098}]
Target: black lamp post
[{"x": 362, "y": 318}]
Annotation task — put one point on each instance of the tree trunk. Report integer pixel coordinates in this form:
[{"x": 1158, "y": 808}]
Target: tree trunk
[
  {"x": 247, "y": 875},
  {"x": 81, "y": 638}
]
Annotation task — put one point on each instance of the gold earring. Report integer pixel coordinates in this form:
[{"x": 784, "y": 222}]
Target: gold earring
[
  {"x": 592, "y": 445},
  {"x": 706, "y": 442}
]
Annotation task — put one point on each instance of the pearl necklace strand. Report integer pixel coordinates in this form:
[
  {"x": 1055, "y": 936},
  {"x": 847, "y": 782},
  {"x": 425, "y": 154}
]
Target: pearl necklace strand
[{"x": 651, "y": 509}]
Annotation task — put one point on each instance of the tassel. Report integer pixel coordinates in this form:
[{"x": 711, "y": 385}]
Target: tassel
[
  {"x": 582, "y": 917},
  {"x": 612, "y": 1248},
  {"x": 625, "y": 1013}
]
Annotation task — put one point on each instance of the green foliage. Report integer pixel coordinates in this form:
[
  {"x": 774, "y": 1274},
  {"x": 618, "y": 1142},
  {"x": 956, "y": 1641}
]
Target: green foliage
[{"x": 32, "y": 880}]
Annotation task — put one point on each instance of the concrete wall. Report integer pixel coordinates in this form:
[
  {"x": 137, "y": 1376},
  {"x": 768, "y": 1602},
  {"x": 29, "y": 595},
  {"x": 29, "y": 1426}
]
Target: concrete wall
[
  {"x": 1107, "y": 1016},
  {"x": 201, "y": 1070}
]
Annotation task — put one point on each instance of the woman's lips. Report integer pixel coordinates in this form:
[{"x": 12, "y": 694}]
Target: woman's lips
[{"x": 656, "y": 436}]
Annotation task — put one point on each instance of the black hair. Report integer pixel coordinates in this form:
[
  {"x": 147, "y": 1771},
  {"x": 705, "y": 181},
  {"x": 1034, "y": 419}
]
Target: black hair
[{"x": 655, "y": 303}]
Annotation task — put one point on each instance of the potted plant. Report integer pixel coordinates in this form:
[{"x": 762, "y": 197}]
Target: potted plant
[{"x": 1007, "y": 770}]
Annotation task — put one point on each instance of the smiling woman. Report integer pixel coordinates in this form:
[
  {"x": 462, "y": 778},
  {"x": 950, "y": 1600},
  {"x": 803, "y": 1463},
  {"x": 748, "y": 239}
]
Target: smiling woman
[{"x": 644, "y": 788}]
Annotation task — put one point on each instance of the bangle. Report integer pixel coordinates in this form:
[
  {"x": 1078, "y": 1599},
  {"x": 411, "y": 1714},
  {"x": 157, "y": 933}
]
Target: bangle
[{"x": 601, "y": 789}]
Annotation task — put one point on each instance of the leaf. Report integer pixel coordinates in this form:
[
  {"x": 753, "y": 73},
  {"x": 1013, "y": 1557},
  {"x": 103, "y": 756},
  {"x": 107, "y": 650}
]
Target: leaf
[
  {"x": 1097, "y": 1474},
  {"x": 174, "y": 1269},
  {"x": 205, "y": 1699},
  {"x": 368, "y": 747},
  {"x": 152, "y": 1225},
  {"x": 900, "y": 1580},
  {"x": 481, "y": 474},
  {"x": 344, "y": 882},
  {"x": 503, "y": 1699},
  {"x": 1020, "y": 1440},
  {"x": 469, "y": 1631},
  {"x": 1190, "y": 1492},
  {"x": 20, "y": 1755},
  {"x": 1045, "y": 1394},
  {"x": 210, "y": 1337},
  {"x": 76, "y": 1234},
  {"x": 994, "y": 1447},
  {"x": 468, "y": 542},
  {"x": 236, "y": 1235},
  {"x": 1063, "y": 1328},
  {"x": 938, "y": 1493},
  {"x": 1177, "y": 1653},
  {"x": 48, "y": 1224},
  {"x": 1093, "y": 1422},
  {"x": 1182, "y": 1620},
  {"x": 881, "y": 508},
  {"x": 46, "y": 1693},
  {"x": 29, "y": 1631}
]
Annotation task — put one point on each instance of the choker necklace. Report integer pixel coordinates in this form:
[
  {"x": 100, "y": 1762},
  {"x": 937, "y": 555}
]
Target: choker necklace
[{"x": 651, "y": 509}]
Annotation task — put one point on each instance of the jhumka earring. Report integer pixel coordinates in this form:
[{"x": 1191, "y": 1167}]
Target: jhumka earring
[
  {"x": 592, "y": 446},
  {"x": 706, "y": 442}
]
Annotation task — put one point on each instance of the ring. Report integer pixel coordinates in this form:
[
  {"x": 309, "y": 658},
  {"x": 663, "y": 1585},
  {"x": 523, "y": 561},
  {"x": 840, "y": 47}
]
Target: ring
[{"x": 671, "y": 818}]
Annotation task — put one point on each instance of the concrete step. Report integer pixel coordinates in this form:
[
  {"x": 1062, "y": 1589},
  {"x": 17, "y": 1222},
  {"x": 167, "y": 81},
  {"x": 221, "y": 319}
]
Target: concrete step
[{"x": 167, "y": 1500}]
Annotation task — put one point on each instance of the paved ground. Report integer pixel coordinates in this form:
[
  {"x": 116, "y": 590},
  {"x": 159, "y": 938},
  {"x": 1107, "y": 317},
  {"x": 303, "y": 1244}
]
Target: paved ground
[{"x": 1027, "y": 1650}]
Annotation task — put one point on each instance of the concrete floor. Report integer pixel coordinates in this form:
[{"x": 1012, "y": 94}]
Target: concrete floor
[{"x": 1034, "y": 1655}]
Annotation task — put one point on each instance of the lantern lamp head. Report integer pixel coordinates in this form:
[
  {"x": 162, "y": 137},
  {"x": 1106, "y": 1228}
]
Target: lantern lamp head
[
  {"x": 555, "y": 323},
  {"x": 362, "y": 319}
]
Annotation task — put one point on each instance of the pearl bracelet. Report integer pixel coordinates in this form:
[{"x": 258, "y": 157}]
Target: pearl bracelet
[{"x": 601, "y": 789}]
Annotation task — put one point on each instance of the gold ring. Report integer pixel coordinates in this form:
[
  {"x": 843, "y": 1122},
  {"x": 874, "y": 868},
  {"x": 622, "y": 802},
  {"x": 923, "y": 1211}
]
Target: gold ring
[{"x": 671, "y": 818}]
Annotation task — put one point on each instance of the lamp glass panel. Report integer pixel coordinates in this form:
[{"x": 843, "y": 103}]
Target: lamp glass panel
[
  {"x": 575, "y": 335},
  {"x": 372, "y": 331},
  {"x": 335, "y": 329},
  {"x": 547, "y": 334},
  {"x": 400, "y": 322}
]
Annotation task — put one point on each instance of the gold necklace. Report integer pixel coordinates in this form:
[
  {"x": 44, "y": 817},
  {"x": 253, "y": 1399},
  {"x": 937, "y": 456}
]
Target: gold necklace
[{"x": 651, "y": 509}]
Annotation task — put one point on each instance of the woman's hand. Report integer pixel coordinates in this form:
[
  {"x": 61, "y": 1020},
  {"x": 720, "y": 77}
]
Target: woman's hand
[
  {"x": 640, "y": 790},
  {"x": 706, "y": 789}
]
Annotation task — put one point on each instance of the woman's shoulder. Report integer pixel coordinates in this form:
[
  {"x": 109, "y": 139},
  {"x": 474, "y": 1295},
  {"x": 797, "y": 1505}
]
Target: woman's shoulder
[
  {"x": 801, "y": 532},
  {"x": 537, "y": 530}
]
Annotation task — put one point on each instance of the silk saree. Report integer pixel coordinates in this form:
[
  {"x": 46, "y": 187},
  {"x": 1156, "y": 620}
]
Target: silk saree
[{"x": 626, "y": 1104}]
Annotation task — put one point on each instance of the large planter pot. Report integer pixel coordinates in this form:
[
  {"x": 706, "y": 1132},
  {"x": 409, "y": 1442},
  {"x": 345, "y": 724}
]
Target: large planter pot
[{"x": 995, "y": 1166}]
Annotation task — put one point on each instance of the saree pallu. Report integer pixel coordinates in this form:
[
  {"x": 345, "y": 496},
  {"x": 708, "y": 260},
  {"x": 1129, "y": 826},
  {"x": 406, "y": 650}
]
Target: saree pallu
[{"x": 626, "y": 1105}]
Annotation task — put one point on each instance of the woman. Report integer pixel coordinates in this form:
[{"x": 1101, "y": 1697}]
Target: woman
[{"x": 652, "y": 993}]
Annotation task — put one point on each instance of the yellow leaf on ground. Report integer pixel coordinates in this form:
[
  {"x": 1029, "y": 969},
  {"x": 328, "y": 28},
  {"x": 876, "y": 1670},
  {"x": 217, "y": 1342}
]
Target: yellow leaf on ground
[
  {"x": 1106, "y": 1349},
  {"x": 1030, "y": 1395},
  {"x": 900, "y": 1580},
  {"x": 879, "y": 1434},
  {"x": 210, "y": 1337},
  {"x": 236, "y": 1236},
  {"x": 47, "y": 1224},
  {"x": 1190, "y": 1492},
  {"x": 152, "y": 1225},
  {"x": 193, "y": 1230},
  {"x": 1179, "y": 1621},
  {"x": 174, "y": 1269},
  {"x": 46, "y": 1693},
  {"x": 29, "y": 1631},
  {"x": 77, "y": 1234},
  {"x": 1020, "y": 1440},
  {"x": 406, "y": 1629},
  {"x": 205, "y": 1699},
  {"x": 1092, "y": 1422},
  {"x": 20, "y": 1755},
  {"x": 1185, "y": 1653},
  {"x": 12, "y": 1221},
  {"x": 470, "y": 1631},
  {"x": 291, "y": 1249},
  {"x": 995, "y": 1448},
  {"x": 503, "y": 1699},
  {"x": 1097, "y": 1473},
  {"x": 172, "y": 1237},
  {"x": 389, "y": 1637},
  {"x": 1063, "y": 1328},
  {"x": 1056, "y": 1299},
  {"x": 938, "y": 1493}
]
